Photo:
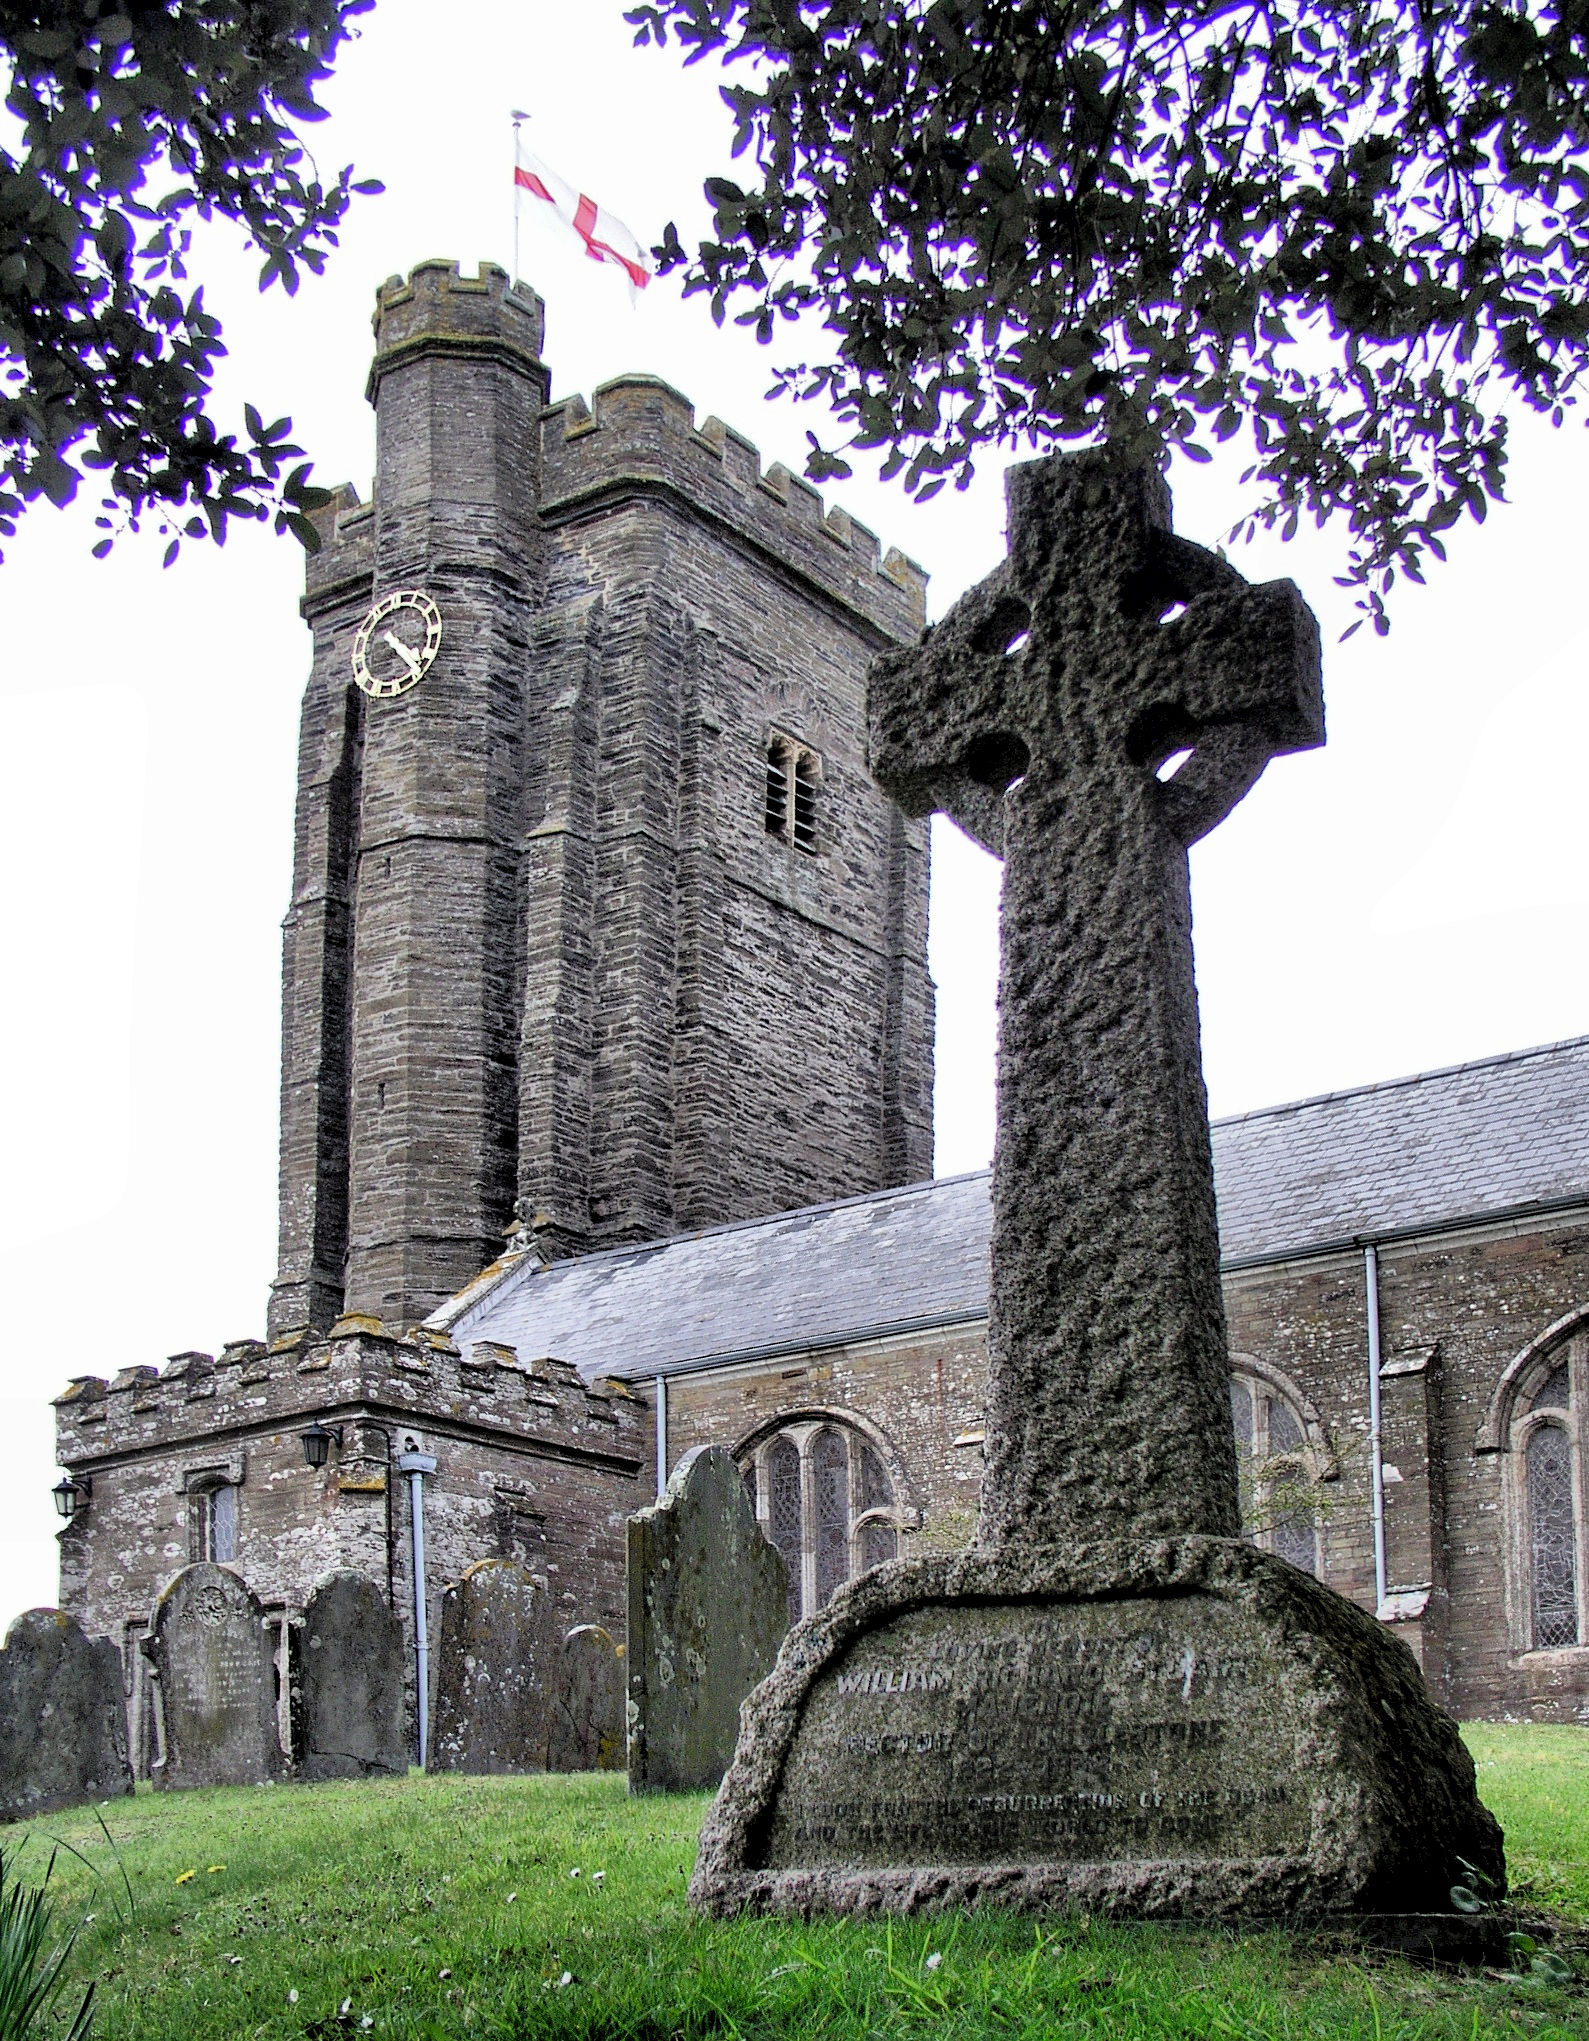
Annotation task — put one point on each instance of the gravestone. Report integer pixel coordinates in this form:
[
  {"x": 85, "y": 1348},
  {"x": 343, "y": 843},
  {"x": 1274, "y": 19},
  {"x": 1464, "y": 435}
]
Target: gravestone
[
  {"x": 586, "y": 1728},
  {"x": 63, "y": 1718},
  {"x": 494, "y": 1672},
  {"x": 708, "y": 1606},
  {"x": 1109, "y": 1699},
  {"x": 212, "y": 1659},
  {"x": 350, "y": 1718}
]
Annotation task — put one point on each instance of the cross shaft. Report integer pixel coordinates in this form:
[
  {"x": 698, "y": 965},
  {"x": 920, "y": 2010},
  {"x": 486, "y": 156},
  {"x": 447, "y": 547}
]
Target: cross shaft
[{"x": 1037, "y": 715}]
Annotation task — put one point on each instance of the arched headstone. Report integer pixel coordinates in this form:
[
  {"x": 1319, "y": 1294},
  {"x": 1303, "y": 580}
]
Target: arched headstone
[
  {"x": 586, "y": 1731},
  {"x": 211, "y": 1655},
  {"x": 708, "y": 1608},
  {"x": 494, "y": 1673},
  {"x": 349, "y": 1714},
  {"x": 63, "y": 1718}
]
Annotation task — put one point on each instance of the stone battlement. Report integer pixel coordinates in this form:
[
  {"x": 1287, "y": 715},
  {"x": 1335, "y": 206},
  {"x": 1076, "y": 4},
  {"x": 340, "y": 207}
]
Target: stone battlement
[
  {"x": 641, "y": 435},
  {"x": 437, "y": 309},
  {"x": 637, "y": 437},
  {"x": 418, "y": 1378}
]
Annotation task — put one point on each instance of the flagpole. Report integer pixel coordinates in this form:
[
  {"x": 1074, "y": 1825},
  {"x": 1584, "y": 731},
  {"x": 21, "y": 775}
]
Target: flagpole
[{"x": 518, "y": 120}]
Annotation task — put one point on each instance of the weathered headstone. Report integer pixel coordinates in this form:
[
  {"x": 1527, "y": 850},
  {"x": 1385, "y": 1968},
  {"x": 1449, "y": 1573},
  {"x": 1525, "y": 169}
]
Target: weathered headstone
[
  {"x": 494, "y": 1673},
  {"x": 349, "y": 1713},
  {"x": 63, "y": 1718},
  {"x": 212, "y": 1656},
  {"x": 708, "y": 1607},
  {"x": 586, "y": 1732},
  {"x": 1109, "y": 1699}
]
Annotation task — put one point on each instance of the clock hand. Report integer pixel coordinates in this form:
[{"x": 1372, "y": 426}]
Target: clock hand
[{"x": 406, "y": 653}]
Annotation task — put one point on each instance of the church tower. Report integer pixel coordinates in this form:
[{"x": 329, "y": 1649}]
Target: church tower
[{"x": 596, "y": 911}]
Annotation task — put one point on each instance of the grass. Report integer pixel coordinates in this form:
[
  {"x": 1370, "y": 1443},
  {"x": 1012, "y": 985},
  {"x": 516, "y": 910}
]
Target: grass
[{"x": 450, "y": 1907}]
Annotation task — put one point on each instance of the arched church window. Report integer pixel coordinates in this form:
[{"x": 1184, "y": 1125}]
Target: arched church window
[
  {"x": 789, "y": 810},
  {"x": 824, "y": 1497},
  {"x": 782, "y": 1519},
  {"x": 1546, "y": 1485},
  {"x": 1278, "y": 1473}
]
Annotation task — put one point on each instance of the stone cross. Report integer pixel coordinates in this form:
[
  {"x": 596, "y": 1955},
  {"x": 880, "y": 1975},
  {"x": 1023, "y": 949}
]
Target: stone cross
[{"x": 1039, "y": 714}]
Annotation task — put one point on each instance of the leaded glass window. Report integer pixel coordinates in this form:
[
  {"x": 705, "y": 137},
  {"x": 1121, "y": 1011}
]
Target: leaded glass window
[
  {"x": 1276, "y": 1473},
  {"x": 1552, "y": 1538},
  {"x": 1547, "y": 1549},
  {"x": 826, "y": 1500},
  {"x": 784, "y": 1513}
]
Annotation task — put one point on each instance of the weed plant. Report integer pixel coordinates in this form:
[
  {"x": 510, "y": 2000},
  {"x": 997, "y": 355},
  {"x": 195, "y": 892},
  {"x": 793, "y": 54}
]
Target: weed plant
[{"x": 555, "y": 1907}]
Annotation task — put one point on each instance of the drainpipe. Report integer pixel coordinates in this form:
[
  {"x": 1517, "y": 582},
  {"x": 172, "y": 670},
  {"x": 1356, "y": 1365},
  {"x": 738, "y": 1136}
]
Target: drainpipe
[
  {"x": 416, "y": 1466},
  {"x": 1376, "y": 1457},
  {"x": 662, "y": 1435}
]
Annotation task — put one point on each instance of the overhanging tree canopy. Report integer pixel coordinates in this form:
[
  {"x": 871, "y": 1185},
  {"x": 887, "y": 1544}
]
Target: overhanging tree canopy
[
  {"x": 1358, "y": 227},
  {"x": 136, "y": 116}
]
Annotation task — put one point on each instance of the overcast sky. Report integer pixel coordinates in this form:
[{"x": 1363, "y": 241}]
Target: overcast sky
[{"x": 1411, "y": 896}]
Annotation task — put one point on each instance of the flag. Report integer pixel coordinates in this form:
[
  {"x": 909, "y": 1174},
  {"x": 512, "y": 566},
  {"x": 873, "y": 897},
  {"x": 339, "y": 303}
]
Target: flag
[{"x": 606, "y": 238}]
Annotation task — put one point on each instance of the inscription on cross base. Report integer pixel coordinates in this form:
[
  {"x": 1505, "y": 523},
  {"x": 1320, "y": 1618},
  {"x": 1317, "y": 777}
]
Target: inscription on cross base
[{"x": 1037, "y": 715}]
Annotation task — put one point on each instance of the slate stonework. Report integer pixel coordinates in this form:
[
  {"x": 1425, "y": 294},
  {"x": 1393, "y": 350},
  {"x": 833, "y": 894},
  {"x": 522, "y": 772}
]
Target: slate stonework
[
  {"x": 708, "y": 1604},
  {"x": 586, "y": 1719},
  {"x": 350, "y": 1713},
  {"x": 63, "y": 1733},
  {"x": 495, "y": 1674},
  {"x": 582, "y": 959},
  {"x": 213, "y": 1661}
]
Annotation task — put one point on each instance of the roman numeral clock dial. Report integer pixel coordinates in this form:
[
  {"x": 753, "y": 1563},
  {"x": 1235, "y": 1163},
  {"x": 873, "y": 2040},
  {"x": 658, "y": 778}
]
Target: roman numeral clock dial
[{"x": 397, "y": 643}]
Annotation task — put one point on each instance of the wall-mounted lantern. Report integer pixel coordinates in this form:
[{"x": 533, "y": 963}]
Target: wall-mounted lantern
[
  {"x": 71, "y": 1495},
  {"x": 318, "y": 1441}
]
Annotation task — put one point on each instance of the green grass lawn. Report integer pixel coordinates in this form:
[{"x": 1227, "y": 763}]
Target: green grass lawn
[{"x": 555, "y": 1906}]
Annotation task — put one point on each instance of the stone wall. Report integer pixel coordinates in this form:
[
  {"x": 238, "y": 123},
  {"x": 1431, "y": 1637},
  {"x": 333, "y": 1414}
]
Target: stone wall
[
  {"x": 541, "y": 943},
  {"x": 1456, "y": 1310},
  {"x": 531, "y": 1465}
]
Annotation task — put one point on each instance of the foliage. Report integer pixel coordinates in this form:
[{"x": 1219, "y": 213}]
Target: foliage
[
  {"x": 449, "y": 1906},
  {"x": 33, "y": 1974},
  {"x": 1356, "y": 227},
  {"x": 133, "y": 118}
]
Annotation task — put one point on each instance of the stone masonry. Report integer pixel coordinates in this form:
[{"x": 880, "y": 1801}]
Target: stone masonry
[
  {"x": 546, "y": 945},
  {"x": 532, "y": 1465}
]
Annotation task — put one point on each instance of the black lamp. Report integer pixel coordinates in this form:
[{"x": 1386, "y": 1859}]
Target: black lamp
[
  {"x": 317, "y": 1442},
  {"x": 70, "y": 1496}
]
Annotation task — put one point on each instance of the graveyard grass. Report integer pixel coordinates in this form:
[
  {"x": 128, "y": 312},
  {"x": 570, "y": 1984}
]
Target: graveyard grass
[{"x": 451, "y": 1906}]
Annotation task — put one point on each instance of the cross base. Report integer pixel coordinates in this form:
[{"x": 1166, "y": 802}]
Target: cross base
[{"x": 1185, "y": 1727}]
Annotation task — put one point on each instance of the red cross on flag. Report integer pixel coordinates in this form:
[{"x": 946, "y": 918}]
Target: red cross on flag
[{"x": 605, "y": 236}]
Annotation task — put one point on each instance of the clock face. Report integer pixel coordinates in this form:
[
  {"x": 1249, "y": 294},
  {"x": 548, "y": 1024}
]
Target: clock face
[{"x": 396, "y": 643}]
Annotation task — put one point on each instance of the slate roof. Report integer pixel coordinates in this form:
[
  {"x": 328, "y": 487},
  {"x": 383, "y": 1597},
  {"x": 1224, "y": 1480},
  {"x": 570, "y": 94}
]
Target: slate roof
[
  {"x": 1482, "y": 1139},
  {"x": 1478, "y": 1139}
]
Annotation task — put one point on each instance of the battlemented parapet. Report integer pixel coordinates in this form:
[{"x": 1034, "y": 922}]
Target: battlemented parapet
[
  {"x": 641, "y": 436},
  {"x": 206, "y": 1459},
  {"x": 603, "y": 919}
]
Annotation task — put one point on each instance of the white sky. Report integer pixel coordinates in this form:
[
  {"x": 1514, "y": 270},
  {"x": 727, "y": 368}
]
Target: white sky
[{"x": 1407, "y": 897}]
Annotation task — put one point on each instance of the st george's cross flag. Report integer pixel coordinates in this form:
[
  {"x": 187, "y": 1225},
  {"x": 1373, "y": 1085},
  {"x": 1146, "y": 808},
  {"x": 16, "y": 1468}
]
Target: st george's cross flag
[{"x": 606, "y": 238}]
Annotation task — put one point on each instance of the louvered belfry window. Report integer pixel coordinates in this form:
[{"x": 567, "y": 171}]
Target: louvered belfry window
[{"x": 794, "y": 776}]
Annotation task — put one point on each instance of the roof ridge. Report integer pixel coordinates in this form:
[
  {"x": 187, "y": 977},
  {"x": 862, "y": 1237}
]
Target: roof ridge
[{"x": 1324, "y": 1098}]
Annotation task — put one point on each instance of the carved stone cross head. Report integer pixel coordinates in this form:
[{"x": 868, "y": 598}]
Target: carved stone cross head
[
  {"x": 1038, "y": 714},
  {"x": 1102, "y": 646}
]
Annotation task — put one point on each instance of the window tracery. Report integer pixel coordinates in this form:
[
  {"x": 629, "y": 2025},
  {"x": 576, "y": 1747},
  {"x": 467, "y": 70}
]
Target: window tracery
[
  {"x": 1546, "y": 1485},
  {"x": 825, "y": 1498},
  {"x": 1278, "y": 1472}
]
